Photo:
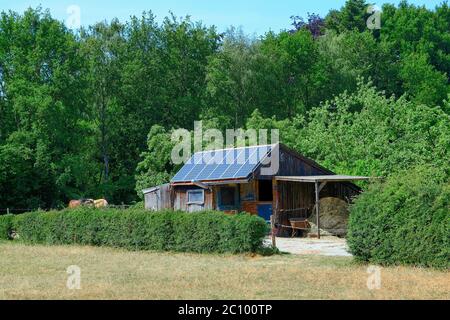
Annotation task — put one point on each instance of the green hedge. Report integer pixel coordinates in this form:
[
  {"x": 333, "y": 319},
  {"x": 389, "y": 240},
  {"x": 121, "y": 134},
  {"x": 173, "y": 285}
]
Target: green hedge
[
  {"x": 138, "y": 229},
  {"x": 5, "y": 226},
  {"x": 405, "y": 220}
]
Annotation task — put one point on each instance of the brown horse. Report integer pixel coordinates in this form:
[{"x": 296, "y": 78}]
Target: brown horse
[{"x": 82, "y": 202}]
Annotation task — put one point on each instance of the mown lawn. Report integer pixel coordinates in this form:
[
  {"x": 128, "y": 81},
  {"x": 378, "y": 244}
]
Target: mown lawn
[{"x": 39, "y": 272}]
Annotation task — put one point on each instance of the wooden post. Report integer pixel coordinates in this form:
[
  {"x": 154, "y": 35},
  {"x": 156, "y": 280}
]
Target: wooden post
[
  {"x": 7, "y": 210},
  {"x": 272, "y": 225},
  {"x": 317, "y": 209},
  {"x": 274, "y": 216}
]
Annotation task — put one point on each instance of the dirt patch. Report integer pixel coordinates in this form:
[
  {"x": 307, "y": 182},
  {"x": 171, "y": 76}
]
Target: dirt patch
[{"x": 327, "y": 246}]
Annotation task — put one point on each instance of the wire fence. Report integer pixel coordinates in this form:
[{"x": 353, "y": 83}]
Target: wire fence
[{"x": 16, "y": 210}]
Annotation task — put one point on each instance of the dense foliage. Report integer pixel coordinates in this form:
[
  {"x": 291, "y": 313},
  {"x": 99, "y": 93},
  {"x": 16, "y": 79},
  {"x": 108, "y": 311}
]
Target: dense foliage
[
  {"x": 89, "y": 113},
  {"x": 137, "y": 229},
  {"x": 6, "y": 226},
  {"x": 405, "y": 220}
]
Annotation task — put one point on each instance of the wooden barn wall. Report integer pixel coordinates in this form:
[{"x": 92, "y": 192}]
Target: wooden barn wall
[
  {"x": 165, "y": 197},
  {"x": 151, "y": 201},
  {"x": 160, "y": 199},
  {"x": 291, "y": 165},
  {"x": 338, "y": 190},
  {"x": 180, "y": 198},
  {"x": 248, "y": 194},
  {"x": 297, "y": 199},
  {"x": 294, "y": 195},
  {"x": 301, "y": 196}
]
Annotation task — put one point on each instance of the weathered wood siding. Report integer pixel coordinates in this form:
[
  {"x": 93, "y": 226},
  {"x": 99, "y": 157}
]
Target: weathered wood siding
[
  {"x": 249, "y": 196},
  {"x": 151, "y": 200},
  {"x": 294, "y": 164},
  {"x": 159, "y": 199},
  {"x": 294, "y": 195},
  {"x": 297, "y": 199},
  {"x": 250, "y": 207},
  {"x": 181, "y": 201}
]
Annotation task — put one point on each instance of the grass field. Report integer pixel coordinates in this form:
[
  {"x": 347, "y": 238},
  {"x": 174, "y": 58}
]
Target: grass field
[{"x": 39, "y": 272}]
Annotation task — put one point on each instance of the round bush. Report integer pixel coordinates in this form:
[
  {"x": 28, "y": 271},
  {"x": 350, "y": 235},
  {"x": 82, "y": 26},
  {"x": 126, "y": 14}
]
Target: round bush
[{"x": 404, "y": 220}]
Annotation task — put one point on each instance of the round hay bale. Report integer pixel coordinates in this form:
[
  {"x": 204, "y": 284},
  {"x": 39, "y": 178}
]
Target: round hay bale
[{"x": 333, "y": 214}]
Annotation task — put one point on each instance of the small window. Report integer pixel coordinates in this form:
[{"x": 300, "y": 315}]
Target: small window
[
  {"x": 196, "y": 196},
  {"x": 265, "y": 190},
  {"x": 227, "y": 196}
]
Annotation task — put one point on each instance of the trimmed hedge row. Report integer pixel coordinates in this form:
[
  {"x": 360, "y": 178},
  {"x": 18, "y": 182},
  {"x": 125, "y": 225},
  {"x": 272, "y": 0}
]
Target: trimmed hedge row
[
  {"x": 405, "y": 220},
  {"x": 137, "y": 229},
  {"x": 5, "y": 226}
]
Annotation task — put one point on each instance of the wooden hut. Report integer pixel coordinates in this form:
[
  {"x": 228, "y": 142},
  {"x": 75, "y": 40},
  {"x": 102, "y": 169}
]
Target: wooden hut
[{"x": 270, "y": 180}]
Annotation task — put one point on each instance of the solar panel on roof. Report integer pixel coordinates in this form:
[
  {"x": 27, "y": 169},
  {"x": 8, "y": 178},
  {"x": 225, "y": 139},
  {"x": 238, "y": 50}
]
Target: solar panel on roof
[
  {"x": 212, "y": 160},
  {"x": 190, "y": 164},
  {"x": 220, "y": 169},
  {"x": 222, "y": 164},
  {"x": 241, "y": 159},
  {"x": 233, "y": 164},
  {"x": 182, "y": 173},
  {"x": 254, "y": 158}
]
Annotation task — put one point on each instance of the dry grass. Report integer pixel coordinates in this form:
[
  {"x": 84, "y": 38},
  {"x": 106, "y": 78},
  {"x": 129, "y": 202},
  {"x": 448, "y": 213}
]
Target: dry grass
[{"x": 39, "y": 272}]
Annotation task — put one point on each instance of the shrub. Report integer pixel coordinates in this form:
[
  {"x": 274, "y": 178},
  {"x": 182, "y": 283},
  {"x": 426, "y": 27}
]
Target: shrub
[
  {"x": 405, "y": 220},
  {"x": 137, "y": 229},
  {"x": 5, "y": 226}
]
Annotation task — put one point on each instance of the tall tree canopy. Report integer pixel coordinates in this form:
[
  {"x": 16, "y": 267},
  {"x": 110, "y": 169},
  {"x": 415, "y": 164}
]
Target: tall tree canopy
[
  {"x": 43, "y": 112},
  {"x": 88, "y": 113}
]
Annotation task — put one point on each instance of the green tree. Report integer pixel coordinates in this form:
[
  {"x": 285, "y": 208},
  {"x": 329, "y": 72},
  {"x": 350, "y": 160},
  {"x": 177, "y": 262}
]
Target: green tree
[
  {"x": 187, "y": 48},
  {"x": 43, "y": 111},
  {"x": 76, "y": 108},
  {"x": 422, "y": 82},
  {"x": 102, "y": 47},
  {"x": 385, "y": 136},
  {"x": 351, "y": 55},
  {"x": 415, "y": 29},
  {"x": 231, "y": 80},
  {"x": 141, "y": 74},
  {"x": 293, "y": 72},
  {"x": 156, "y": 167},
  {"x": 352, "y": 16}
]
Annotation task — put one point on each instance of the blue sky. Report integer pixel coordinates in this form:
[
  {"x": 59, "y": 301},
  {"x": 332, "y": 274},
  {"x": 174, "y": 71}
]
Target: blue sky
[{"x": 255, "y": 16}]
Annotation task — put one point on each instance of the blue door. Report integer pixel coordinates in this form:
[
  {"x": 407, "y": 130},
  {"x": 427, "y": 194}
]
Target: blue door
[{"x": 265, "y": 211}]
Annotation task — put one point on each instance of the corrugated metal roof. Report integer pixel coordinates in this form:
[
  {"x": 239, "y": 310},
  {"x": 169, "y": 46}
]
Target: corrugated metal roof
[
  {"x": 326, "y": 178},
  {"x": 150, "y": 190}
]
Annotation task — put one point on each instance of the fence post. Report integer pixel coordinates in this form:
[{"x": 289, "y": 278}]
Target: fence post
[
  {"x": 7, "y": 210},
  {"x": 272, "y": 224}
]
